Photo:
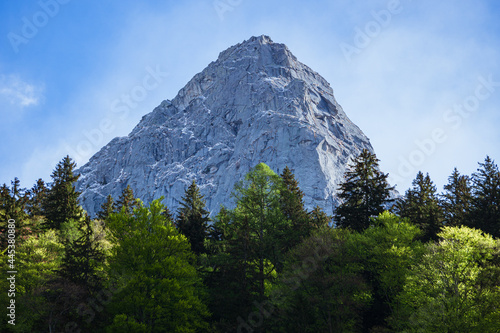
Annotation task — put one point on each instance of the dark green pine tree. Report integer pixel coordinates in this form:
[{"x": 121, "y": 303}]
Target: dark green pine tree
[
  {"x": 318, "y": 218},
  {"x": 192, "y": 218},
  {"x": 37, "y": 195},
  {"x": 364, "y": 193},
  {"x": 13, "y": 201},
  {"x": 126, "y": 201},
  {"x": 168, "y": 214},
  {"x": 292, "y": 206},
  {"x": 486, "y": 198},
  {"x": 83, "y": 258},
  {"x": 107, "y": 208},
  {"x": 421, "y": 205},
  {"x": 61, "y": 203},
  {"x": 456, "y": 200}
]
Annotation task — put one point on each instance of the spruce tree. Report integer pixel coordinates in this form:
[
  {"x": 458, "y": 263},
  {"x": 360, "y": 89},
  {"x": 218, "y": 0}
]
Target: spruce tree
[
  {"x": 318, "y": 218},
  {"x": 486, "y": 198},
  {"x": 82, "y": 259},
  {"x": 421, "y": 205},
  {"x": 37, "y": 195},
  {"x": 192, "y": 218},
  {"x": 364, "y": 193},
  {"x": 61, "y": 203},
  {"x": 107, "y": 208},
  {"x": 292, "y": 206},
  {"x": 456, "y": 200},
  {"x": 13, "y": 201},
  {"x": 127, "y": 201}
]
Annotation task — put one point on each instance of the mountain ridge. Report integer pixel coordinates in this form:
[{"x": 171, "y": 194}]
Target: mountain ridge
[{"x": 255, "y": 103}]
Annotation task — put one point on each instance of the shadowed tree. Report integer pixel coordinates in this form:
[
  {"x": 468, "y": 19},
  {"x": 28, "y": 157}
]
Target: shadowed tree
[
  {"x": 420, "y": 204},
  {"x": 126, "y": 201},
  {"x": 107, "y": 208},
  {"x": 192, "y": 218},
  {"x": 364, "y": 193},
  {"x": 456, "y": 200},
  {"x": 486, "y": 198},
  {"x": 61, "y": 203}
]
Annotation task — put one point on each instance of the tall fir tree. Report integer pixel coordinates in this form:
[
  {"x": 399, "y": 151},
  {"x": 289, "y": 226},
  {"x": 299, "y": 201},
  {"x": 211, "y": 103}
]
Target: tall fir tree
[
  {"x": 318, "y": 218},
  {"x": 37, "y": 195},
  {"x": 486, "y": 198},
  {"x": 364, "y": 193},
  {"x": 83, "y": 258},
  {"x": 107, "y": 208},
  {"x": 126, "y": 201},
  {"x": 421, "y": 205},
  {"x": 61, "y": 203},
  {"x": 192, "y": 218},
  {"x": 292, "y": 206},
  {"x": 456, "y": 200},
  {"x": 13, "y": 201}
]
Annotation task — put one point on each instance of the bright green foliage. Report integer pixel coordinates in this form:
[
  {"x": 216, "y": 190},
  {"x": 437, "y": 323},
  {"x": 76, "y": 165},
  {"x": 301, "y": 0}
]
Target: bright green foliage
[
  {"x": 37, "y": 258},
  {"x": 455, "y": 287},
  {"x": 107, "y": 208},
  {"x": 421, "y": 205},
  {"x": 192, "y": 218},
  {"x": 250, "y": 246},
  {"x": 152, "y": 264},
  {"x": 486, "y": 200},
  {"x": 61, "y": 203},
  {"x": 457, "y": 200},
  {"x": 364, "y": 193},
  {"x": 127, "y": 201},
  {"x": 386, "y": 250},
  {"x": 322, "y": 288}
]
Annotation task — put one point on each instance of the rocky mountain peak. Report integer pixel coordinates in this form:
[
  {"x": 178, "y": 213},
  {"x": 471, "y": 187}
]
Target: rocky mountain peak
[{"x": 255, "y": 103}]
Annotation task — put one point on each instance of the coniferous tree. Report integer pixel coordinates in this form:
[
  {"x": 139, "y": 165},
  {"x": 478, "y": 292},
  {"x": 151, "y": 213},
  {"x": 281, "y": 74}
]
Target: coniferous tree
[
  {"x": 126, "y": 201},
  {"x": 168, "y": 214},
  {"x": 318, "y": 218},
  {"x": 82, "y": 259},
  {"x": 107, "y": 208},
  {"x": 421, "y": 205},
  {"x": 37, "y": 195},
  {"x": 192, "y": 218},
  {"x": 61, "y": 203},
  {"x": 292, "y": 206},
  {"x": 13, "y": 201},
  {"x": 364, "y": 193},
  {"x": 486, "y": 198},
  {"x": 456, "y": 200}
]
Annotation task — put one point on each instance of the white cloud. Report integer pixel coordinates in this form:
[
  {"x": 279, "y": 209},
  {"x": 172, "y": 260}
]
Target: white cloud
[{"x": 18, "y": 93}]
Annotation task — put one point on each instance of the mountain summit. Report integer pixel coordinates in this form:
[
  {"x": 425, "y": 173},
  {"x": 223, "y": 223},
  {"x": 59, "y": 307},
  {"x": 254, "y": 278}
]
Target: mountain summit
[{"x": 255, "y": 103}]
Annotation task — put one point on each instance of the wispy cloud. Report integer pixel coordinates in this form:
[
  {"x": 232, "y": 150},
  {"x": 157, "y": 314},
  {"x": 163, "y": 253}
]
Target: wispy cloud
[{"x": 16, "y": 92}]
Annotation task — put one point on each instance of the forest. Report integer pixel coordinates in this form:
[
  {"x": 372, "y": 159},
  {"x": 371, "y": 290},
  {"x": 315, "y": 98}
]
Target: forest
[{"x": 419, "y": 262}]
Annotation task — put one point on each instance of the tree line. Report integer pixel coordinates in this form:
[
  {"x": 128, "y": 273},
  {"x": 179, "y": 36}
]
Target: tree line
[{"x": 421, "y": 262}]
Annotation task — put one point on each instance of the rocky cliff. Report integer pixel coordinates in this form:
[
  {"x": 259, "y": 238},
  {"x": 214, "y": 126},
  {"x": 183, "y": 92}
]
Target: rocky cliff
[{"x": 255, "y": 103}]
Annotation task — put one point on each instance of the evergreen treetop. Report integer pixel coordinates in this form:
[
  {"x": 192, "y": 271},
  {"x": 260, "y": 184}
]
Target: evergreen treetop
[{"x": 363, "y": 194}]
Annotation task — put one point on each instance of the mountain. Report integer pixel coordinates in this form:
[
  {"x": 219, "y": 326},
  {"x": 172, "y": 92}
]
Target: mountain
[{"x": 255, "y": 103}]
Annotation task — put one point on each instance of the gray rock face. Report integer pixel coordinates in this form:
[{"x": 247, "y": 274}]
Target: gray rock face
[{"x": 255, "y": 103}]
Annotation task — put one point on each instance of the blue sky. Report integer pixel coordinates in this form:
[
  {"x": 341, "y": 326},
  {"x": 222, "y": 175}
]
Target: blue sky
[{"x": 420, "y": 78}]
